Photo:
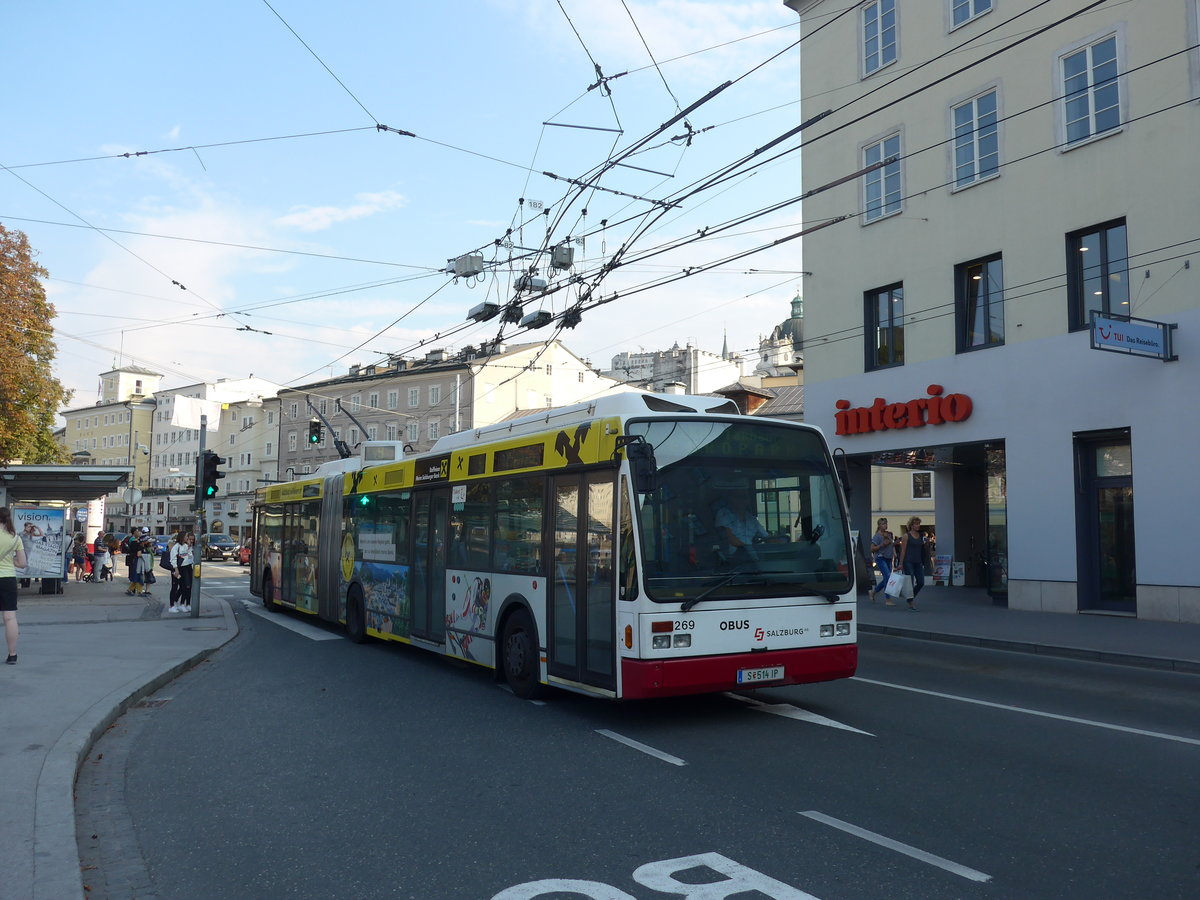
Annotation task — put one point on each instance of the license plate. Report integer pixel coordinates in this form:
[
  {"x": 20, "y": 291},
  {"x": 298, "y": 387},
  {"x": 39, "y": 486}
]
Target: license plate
[{"x": 751, "y": 676}]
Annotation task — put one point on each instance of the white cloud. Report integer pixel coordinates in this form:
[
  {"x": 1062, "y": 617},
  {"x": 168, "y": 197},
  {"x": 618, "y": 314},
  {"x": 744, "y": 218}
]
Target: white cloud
[{"x": 318, "y": 218}]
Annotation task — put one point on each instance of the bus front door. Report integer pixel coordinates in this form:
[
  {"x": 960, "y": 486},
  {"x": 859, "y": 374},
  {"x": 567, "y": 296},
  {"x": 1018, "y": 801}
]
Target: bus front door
[
  {"x": 427, "y": 582},
  {"x": 582, "y": 584}
]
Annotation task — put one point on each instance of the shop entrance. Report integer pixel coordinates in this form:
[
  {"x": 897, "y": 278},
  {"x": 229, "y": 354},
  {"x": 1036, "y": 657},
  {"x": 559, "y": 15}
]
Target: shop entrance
[{"x": 1104, "y": 522}]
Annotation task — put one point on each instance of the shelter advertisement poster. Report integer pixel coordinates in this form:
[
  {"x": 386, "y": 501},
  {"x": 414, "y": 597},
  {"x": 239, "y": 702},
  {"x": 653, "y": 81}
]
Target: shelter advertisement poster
[{"x": 43, "y": 535}]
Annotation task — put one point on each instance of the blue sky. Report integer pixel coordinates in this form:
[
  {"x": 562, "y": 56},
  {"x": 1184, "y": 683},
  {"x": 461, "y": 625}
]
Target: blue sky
[{"x": 271, "y": 197}]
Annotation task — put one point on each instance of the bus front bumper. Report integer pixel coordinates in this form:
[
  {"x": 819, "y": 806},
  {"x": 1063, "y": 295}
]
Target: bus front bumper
[{"x": 642, "y": 678}]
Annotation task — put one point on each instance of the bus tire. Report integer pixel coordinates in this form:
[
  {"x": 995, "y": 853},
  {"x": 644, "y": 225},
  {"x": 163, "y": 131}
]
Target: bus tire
[
  {"x": 269, "y": 592},
  {"x": 356, "y": 616},
  {"x": 519, "y": 652}
]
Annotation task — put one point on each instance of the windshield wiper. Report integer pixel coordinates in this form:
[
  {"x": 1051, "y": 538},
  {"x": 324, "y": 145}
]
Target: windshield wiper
[
  {"x": 688, "y": 604},
  {"x": 807, "y": 590}
]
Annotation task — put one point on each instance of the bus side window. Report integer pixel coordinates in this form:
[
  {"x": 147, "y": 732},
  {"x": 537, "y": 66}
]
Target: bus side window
[{"x": 629, "y": 578}]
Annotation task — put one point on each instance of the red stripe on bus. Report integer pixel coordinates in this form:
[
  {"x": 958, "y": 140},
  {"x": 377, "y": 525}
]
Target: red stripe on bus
[{"x": 641, "y": 678}]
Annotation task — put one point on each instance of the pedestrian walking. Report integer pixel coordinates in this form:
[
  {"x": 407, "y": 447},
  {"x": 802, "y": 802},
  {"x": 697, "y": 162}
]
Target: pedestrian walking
[
  {"x": 881, "y": 550},
  {"x": 12, "y": 557},
  {"x": 182, "y": 561},
  {"x": 101, "y": 559},
  {"x": 78, "y": 557},
  {"x": 146, "y": 556},
  {"x": 913, "y": 550}
]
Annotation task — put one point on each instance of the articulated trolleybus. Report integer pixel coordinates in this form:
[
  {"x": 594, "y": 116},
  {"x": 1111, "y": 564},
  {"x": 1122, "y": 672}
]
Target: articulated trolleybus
[{"x": 641, "y": 545}]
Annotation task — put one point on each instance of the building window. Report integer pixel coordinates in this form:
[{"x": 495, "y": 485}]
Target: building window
[
  {"x": 391, "y": 432},
  {"x": 292, "y": 442},
  {"x": 885, "y": 327},
  {"x": 321, "y": 405},
  {"x": 878, "y": 35},
  {"x": 268, "y": 453},
  {"x": 372, "y": 432},
  {"x": 1091, "y": 92},
  {"x": 965, "y": 10},
  {"x": 355, "y": 403},
  {"x": 393, "y": 400},
  {"x": 414, "y": 398},
  {"x": 433, "y": 430},
  {"x": 414, "y": 432},
  {"x": 293, "y": 410},
  {"x": 922, "y": 485},
  {"x": 1097, "y": 272},
  {"x": 373, "y": 401},
  {"x": 976, "y": 140},
  {"x": 435, "y": 394},
  {"x": 979, "y": 303},
  {"x": 353, "y": 437},
  {"x": 881, "y": 186}
]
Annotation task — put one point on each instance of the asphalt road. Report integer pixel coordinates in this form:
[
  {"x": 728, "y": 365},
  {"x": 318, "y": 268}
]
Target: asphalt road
[{"x": 297, "y": 767}]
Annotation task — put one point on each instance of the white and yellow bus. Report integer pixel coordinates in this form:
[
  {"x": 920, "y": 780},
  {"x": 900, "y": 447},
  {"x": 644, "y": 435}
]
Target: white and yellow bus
[{"x": 593, "y": 548}]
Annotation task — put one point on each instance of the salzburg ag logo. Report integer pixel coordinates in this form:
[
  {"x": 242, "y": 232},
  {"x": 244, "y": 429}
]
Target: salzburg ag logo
[
  {"x": 759, "y": 634},
  {"x": 882, "y": 416}
]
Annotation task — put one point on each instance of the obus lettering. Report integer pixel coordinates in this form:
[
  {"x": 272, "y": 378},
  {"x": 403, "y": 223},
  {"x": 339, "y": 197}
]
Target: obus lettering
[
  {"x": 882, "y": 416},
  {"x": 729, "y": 625},
  {"x": 733, "y": 879}
]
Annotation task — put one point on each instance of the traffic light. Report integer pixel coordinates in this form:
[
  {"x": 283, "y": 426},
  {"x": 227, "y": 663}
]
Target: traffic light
[
  {"x": 316, "y": 431},
  {"x": 209, "y": 474}
]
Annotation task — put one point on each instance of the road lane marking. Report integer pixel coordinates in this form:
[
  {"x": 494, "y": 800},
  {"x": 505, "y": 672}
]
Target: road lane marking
[
  {"x": 301, "y": 628},
  {"x": 788, "y": 711},
  {"x": 644, "y": 748},
  {"x": 907, "y": 850},
  {"x": 1036, "y": 712}
]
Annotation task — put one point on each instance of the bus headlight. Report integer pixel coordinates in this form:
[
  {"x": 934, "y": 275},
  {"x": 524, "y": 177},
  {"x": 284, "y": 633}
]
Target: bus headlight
[
  {"x": 843, "y": 628},
  {"x": 661, "y": 642},
  {"x": 826, "y": 631},
  {"x": 681, "y": 640}
]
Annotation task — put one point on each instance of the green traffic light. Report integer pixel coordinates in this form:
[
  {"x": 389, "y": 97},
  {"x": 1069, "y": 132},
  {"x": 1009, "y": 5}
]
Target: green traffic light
[{"x": 364, "y": 500}]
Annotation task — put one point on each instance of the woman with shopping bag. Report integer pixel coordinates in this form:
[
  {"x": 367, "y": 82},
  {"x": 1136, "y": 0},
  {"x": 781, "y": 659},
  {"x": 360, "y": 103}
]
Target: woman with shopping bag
[{"x": 912, "y": 558}]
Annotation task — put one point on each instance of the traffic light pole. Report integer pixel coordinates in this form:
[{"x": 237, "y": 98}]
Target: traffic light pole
[{"x": 201, "y": 518}]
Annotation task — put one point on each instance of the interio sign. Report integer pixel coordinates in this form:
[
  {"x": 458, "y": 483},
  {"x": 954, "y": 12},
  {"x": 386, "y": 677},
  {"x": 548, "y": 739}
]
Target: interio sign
[{"x": 936, "y": 409}]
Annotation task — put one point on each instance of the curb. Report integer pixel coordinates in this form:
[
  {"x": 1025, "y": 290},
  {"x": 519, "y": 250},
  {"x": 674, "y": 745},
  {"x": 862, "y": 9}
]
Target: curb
[
  {"x": 56, "y": 853},
  {"x": 1188, "y": 666}
]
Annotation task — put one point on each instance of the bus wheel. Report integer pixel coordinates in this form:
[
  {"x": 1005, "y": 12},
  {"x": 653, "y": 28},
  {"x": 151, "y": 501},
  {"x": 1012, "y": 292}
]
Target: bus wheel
[
  {"x": 269, "y": 593},
  {"x": 520, "y": 648},
  {"x": 356, "y": 616}
]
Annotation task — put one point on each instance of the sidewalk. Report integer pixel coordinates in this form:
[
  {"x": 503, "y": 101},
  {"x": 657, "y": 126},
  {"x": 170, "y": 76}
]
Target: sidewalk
[
  {"x": 968, "y": 616},
  {"x": 88, "y": 654},
  {"x": 84, "y": 657}
]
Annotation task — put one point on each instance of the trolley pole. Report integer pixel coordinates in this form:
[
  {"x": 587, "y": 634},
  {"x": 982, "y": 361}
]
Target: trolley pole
[{"x": 201, "y": 518}]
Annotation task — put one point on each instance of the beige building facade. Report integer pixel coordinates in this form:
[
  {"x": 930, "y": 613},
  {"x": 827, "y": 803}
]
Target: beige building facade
[{"x": 1022, "y": 187}]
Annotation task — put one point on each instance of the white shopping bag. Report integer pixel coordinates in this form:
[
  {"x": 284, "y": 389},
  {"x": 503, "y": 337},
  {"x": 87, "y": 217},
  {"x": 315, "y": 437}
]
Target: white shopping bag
[{"x": 899, "y": 585}]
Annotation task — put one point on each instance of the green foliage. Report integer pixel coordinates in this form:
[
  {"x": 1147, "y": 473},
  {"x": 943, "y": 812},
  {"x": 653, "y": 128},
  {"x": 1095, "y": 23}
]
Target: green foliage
[{"x": 30, "y": 395}]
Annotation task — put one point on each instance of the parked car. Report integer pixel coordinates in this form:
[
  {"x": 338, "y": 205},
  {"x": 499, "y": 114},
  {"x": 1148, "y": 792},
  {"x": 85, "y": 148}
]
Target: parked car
[{"x": 217, "y": 546}]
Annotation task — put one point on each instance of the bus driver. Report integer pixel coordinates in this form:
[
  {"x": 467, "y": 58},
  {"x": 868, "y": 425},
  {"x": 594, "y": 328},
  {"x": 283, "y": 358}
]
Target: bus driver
[{"x": 739, "y": 527}]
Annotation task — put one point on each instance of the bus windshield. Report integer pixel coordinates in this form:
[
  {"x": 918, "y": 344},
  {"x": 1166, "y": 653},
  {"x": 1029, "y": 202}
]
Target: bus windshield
[{"x": 740, "y": 510}]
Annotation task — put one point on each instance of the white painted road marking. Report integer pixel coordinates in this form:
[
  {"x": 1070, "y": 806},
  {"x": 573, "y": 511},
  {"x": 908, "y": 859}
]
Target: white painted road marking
[
  {"x": 788, "y": 711},
  {"x": 1035, "y": 712},
  {"x": 952, "y": 867},
  {"x": 301, "y": 628},
  {"x": 644, "y": 748}
]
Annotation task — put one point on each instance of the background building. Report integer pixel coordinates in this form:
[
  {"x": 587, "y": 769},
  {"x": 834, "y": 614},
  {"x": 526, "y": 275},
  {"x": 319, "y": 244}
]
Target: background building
[
  {"x": 419, "y": 401},
  {"x": 116, "y": 431},
  {"x": 1025, "y": 165}
]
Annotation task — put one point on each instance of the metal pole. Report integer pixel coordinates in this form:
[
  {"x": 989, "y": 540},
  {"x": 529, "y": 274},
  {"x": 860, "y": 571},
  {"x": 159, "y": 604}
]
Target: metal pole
[{"x": 201, "y": 519}]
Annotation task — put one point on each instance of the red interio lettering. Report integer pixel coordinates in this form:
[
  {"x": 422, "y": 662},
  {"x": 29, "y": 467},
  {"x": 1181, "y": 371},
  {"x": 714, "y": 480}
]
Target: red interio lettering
[{"x": 935, "y": 409}]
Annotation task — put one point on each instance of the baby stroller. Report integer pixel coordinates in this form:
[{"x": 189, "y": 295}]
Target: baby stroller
[{"x": 90, "y": 574}]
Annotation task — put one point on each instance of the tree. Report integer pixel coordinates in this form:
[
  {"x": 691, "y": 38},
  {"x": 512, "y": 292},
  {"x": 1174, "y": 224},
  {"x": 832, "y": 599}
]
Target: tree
[{"x": 30, "y": 395}]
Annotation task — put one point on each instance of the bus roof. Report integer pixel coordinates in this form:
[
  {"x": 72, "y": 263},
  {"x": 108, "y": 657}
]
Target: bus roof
[{"x": 626, "y": 405}]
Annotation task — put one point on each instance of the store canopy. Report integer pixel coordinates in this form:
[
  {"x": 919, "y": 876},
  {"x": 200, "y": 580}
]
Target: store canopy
[{"x": 72, "y": 484}]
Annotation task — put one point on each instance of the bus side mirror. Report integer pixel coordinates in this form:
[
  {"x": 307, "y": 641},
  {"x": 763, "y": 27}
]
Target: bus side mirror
[{"x": 643, "y": 466}]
